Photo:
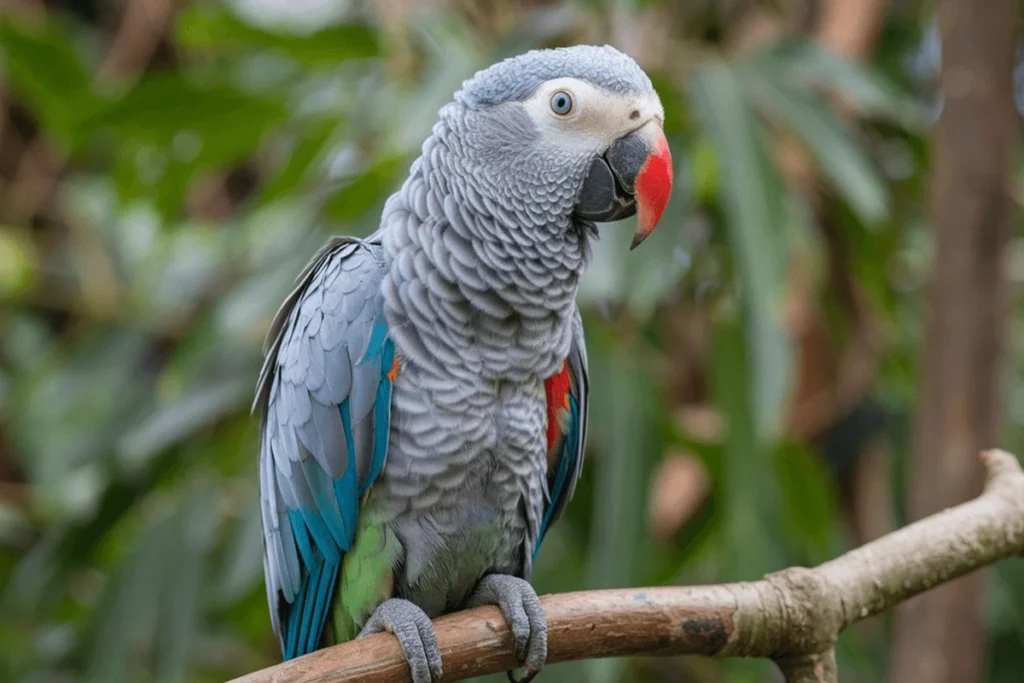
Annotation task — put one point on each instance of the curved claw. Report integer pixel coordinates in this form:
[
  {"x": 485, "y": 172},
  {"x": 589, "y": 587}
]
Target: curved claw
[
  {"x": 518, "y": 602},
  {"x": 525, "y": 679},
  {"x": 415, "y": 634}
]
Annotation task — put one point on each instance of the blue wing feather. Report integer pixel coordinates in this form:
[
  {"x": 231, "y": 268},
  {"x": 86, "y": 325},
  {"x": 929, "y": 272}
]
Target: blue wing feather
[
  {"x": 325, "y": 380},
  {"x": 345, "y": 487},
  {"x": 301, "y": 536},
  {"x": 381, "y": 418}
]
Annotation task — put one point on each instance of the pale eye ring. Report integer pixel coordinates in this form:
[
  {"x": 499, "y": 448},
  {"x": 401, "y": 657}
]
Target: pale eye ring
[{"x": 561, "y": 103}]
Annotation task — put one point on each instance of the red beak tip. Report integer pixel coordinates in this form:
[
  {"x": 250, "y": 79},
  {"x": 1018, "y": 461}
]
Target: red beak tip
[{"x": 653, "y": 189}]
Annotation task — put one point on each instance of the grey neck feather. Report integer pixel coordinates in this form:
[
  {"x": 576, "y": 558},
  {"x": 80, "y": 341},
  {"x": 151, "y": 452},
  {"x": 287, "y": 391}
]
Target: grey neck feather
[{"x": 486, "y": 257}]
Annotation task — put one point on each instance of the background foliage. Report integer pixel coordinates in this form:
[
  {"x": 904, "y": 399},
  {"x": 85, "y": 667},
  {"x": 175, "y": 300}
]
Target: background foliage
[{"x": 166, "y": 171}]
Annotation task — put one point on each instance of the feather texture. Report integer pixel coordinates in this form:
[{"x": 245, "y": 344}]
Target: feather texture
[{"x": 325, "y": 398}]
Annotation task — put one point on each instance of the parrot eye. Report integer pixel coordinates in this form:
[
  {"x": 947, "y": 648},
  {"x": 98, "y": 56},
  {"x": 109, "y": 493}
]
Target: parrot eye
[{"x": 561, "y": 103}]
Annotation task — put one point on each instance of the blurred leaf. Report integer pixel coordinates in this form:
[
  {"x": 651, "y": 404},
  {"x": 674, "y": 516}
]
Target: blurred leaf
[
  {"x": 42, "y": 67},
  {"x": 640, "y": 279},
  {"x": 181, "y": 594},
  {"x": 126, "y": 619},
  {"x": 242, "y": 568},
  {"x": 705, "y": 170},
  {"x": 150, "y": 605},
  {"x": 169, "y": 128},
  {"x": 165, "y": 108},
  {"x": 751, "y": 191},
  {"x": 300, "y": 158},
  {"x": 366, "y": 190},
  {"x": 808, "y": 502},
  {"x": 745, "y": 483},
  {"x": 832, "y": 144},
  {"x": 18, "y": 262},
  {"x": 196, "y": 409},
  {"x": 15, "y": 526},
  {"x": 620, "y": 421},
  {"x": 806, "y": 63},
  {"x": 214, "y": 28}
]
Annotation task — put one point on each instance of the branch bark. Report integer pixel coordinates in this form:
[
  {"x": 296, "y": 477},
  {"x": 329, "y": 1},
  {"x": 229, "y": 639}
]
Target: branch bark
[
  {"x": 940, "y": 638},
  {"x": 792, "y": 616}
]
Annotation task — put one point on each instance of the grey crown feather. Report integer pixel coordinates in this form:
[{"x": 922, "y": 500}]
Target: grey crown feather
[{"x": 517, "y": 78}]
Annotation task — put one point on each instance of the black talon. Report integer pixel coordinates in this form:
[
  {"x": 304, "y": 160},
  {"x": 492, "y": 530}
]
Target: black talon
[{"x": 525, "y": 679}]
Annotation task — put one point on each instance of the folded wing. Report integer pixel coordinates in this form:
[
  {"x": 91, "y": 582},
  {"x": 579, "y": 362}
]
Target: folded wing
[{"x": 325, "y": 397}]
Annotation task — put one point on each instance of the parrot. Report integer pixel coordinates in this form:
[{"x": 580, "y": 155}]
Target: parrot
[{"x": 423, "y": 397}]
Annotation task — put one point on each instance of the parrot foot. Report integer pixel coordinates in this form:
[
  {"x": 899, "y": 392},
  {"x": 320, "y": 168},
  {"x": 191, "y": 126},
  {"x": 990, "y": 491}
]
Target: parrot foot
[
  {"x": 415, "y": 634},
  {"x": 518, "y": 601}
]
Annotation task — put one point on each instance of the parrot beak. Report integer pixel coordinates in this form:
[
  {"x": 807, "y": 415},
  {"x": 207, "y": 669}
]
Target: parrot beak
[{"x": 633, "y": 177}]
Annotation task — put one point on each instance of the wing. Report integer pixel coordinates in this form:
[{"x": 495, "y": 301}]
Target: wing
[
  {"x": 567, "y": 395},
  {"x": 325, "y": 397}
]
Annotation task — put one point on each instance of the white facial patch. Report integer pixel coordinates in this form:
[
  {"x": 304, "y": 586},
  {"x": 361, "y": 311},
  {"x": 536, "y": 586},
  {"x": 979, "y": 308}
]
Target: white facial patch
[{"x": 596, "y": 119}]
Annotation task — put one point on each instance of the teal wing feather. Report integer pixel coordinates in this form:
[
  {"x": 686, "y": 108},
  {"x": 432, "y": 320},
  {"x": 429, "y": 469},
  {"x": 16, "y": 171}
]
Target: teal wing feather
[
  {"x": 324, "y": 395},
  {"x": 565, "y": 471}
]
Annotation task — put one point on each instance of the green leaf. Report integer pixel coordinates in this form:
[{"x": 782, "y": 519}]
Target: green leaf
[
  {"x": 43, "y": 68},
  {"x": 209, "y": 27},
  {"x": 745, "y": 485},
  {"x": 301, "y": 157},
  {"x": 366, "y": 191},
  {"x": 622, "y": 423},
  {"x": 241, "y": 568},
  {"x": 752, "y": 195},
  {"x": 808, "y": 501},
  {"x": 168, "y": 129},
  {"x": 705, "y": 170},
  {"x": 126, "y": 619},
  {"x": 182, "y": 591},
  {"x": 830, "y": 141},
  {"x": 806, "y": 64},
  {"x": 19, "y": 262},
  {"x": 215, "y": 123},
  {"x": 193, "y": 411}
]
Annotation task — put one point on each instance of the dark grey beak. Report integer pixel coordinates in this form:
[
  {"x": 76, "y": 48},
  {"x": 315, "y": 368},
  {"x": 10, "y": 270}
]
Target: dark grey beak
[{"x": 609, "y": 191}]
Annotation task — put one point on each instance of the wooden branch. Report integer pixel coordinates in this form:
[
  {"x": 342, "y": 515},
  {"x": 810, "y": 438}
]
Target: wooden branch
[{"x": 792, "y": 616}]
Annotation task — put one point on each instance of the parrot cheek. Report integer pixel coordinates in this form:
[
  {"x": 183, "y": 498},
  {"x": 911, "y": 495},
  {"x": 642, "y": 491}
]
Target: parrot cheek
[{"x": 653, "y": 185}]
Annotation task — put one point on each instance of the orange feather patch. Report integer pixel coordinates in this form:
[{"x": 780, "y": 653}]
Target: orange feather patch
[{"x": 557, "y": 389}]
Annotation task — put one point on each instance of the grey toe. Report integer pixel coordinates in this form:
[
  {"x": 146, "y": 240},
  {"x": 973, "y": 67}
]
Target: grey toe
[
  {"x": 518, "y": 601},
  {"x": 415, "y": 634}
]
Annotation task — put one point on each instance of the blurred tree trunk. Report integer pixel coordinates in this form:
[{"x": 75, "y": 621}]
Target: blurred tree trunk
[{"x": 939, "y": 636}]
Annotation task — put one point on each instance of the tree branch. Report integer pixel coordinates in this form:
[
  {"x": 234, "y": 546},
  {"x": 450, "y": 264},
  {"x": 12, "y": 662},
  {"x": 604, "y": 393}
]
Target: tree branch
[{"x": 792, "y": 616}]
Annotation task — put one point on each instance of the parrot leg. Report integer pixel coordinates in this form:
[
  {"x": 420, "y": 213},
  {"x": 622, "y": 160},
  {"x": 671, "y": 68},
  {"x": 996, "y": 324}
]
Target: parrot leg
[
  {"x": 518, "y": 601},
  {"x": 415, "y": 636}
]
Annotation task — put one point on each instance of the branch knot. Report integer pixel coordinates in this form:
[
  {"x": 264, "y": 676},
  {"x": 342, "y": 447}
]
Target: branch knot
[{"x": 812, "y": 610}]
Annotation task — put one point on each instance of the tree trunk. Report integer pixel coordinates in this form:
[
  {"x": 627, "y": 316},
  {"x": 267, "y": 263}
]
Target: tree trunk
[{"x": 939, "y": 637}]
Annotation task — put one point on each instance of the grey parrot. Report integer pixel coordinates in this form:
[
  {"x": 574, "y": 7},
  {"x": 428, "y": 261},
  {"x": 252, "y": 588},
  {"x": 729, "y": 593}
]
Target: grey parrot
[{"x": 423, "y": 398}]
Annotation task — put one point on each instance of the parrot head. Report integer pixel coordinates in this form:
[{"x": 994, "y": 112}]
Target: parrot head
[{"x": 566, "y": 136}]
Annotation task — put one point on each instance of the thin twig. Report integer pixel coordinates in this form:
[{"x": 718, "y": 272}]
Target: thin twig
[
  {"x": 792, "y": 616},
  {"x": 143, "y": 25}
]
